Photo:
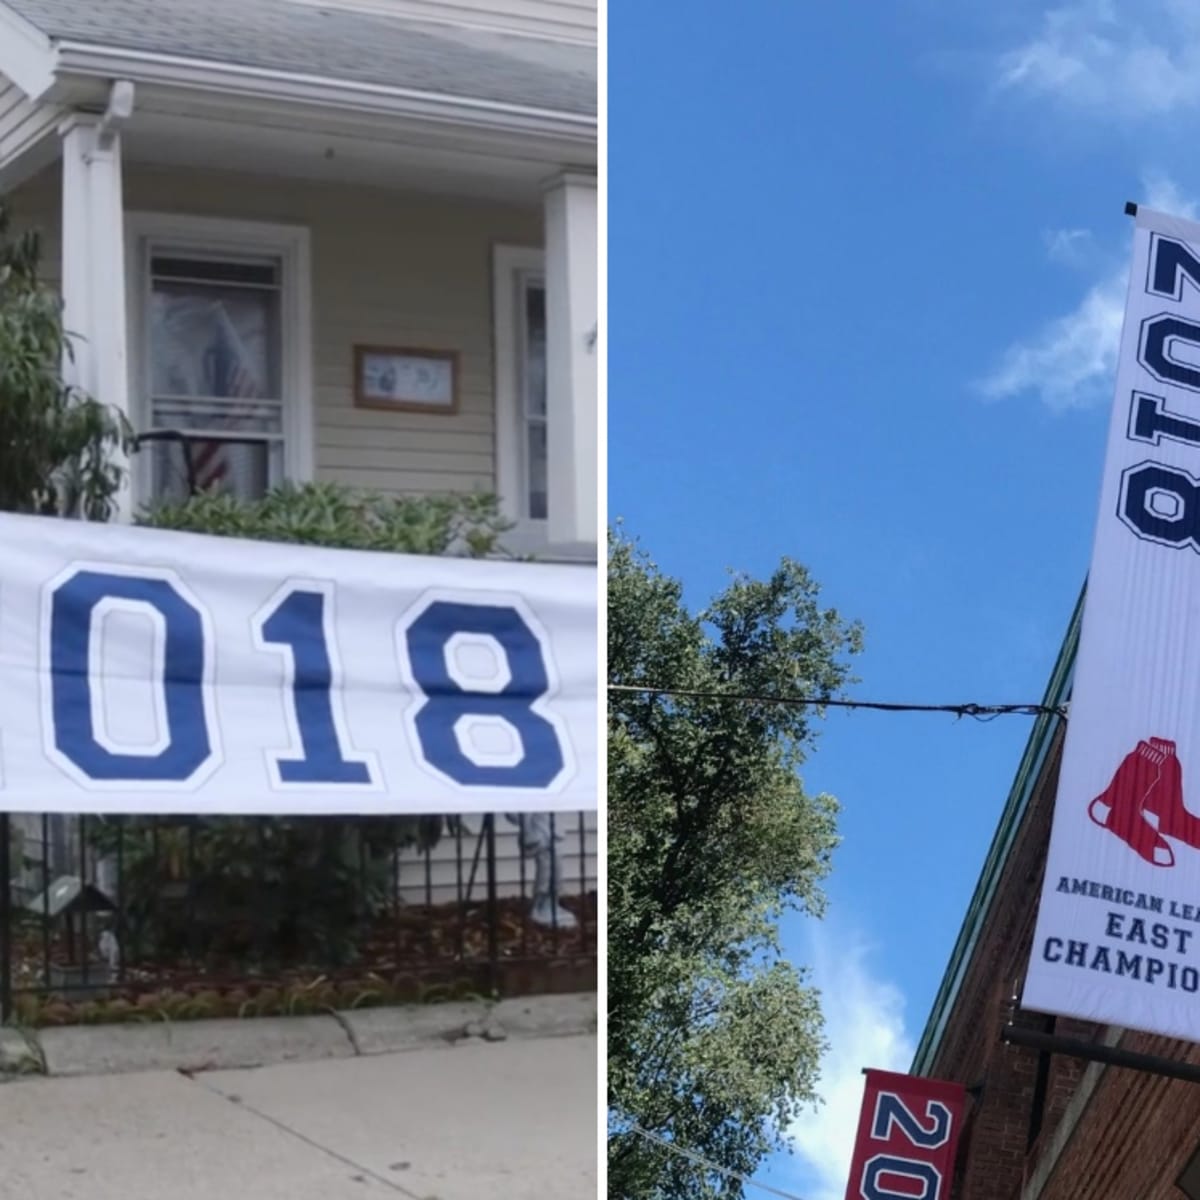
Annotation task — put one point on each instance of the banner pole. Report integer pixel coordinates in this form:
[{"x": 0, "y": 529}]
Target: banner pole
[{"x": 1097, "y": 1052}]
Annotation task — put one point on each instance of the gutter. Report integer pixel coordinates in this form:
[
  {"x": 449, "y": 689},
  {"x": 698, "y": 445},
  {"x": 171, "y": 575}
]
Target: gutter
[
  {"x": 1033, "y": 761},
  {"x": 260, "y": 83}
]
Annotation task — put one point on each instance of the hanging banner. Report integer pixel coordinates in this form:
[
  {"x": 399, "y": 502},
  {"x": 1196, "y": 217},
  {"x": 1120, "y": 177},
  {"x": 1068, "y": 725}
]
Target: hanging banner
[
  {"x": 907, "y": 1138},
  {"x": 1118, "y": 929},
  {"x": 144, "y": 670}
]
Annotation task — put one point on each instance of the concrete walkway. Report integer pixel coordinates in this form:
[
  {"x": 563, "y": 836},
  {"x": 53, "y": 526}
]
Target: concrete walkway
[{"x": 514, "y": 1119}]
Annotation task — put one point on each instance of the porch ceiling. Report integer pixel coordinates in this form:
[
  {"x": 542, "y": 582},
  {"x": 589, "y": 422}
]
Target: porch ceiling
[
  {"x": 172, "y": 127},
  {"x": 411, "y": 160}
]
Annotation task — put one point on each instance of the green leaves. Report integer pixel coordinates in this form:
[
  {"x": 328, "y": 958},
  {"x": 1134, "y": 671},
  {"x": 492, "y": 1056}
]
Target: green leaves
[
  {"x": 56, "y": 444},
  {"x": 713, "y": 1039},
  {"x": 330, "y": 514},
  {"x": 297, "y": 888}
]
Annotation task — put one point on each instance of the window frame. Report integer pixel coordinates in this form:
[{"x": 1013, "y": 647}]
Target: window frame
[
  {"x": 149, "y": 233},
  {"x": 509, "y": 264}
]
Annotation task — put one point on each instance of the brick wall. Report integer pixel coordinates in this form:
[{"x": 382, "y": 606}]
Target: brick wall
[
  {"x": 993, "y": 1155},
  {"x": 1135, "y": 1134}
]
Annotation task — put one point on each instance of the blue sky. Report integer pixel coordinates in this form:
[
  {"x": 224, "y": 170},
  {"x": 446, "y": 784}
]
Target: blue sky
[{"x": 866, "y": 273}]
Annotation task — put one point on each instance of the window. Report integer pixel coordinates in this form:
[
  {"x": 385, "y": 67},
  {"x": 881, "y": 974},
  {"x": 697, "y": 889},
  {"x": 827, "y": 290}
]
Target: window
[
  {"x": 532, "y": 363},
  {"x": 521, "y": 409},
  {"x": 220, "y": 366}
]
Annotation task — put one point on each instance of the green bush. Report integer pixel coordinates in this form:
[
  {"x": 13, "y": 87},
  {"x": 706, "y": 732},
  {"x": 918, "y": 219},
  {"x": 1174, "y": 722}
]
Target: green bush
[
  {"x": 57, "y": 446},
  {"x": 276, "y": 890},
  {"x": 329, "y": 514}
]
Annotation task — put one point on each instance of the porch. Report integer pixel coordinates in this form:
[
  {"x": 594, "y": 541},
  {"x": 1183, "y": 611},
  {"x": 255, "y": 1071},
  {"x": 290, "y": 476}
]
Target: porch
[
  {"x": 231, "y": 244},
  {"x": 237, "y": 305}
]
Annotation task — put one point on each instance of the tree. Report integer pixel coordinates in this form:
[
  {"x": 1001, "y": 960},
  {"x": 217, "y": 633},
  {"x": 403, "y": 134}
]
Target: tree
[
  {"x": 714, "y": 1040},
  {"x": 56, "y": 444}
]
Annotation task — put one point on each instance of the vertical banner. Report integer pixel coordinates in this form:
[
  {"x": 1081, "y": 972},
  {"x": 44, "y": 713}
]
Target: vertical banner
[
  {"x": 907, "y": 1138},
  {"x": 1118, "y": 924}
]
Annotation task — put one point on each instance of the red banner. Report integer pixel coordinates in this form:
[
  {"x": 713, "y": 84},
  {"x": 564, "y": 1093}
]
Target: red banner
[{"x": 907, "y": 1137}]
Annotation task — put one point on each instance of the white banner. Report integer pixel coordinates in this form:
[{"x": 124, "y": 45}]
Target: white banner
[
  {"x": 152, "y": 671},
  {"x": 1118, "y": 930}
]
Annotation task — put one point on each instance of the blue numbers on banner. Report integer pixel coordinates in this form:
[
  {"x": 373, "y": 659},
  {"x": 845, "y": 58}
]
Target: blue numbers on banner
[
  {"x": 298, "y": 623},
  {"x": 447, "y": 702},
  {"x": 188, "y": 742},
  {"x": 875, "y": 1187},
  {"x": 1160, "y": 337},
  {"x": 1171, "y": 262},
  {"x": 890, "y": 1110},
  {"x": 1151, "y": 421},
  {"x": 1161, "y": 504}
]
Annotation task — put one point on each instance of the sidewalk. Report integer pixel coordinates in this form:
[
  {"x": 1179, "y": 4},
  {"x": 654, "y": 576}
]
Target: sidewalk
[
  {"x": 514, "y": 1120},
  {"x": 447, "y": 1102}
]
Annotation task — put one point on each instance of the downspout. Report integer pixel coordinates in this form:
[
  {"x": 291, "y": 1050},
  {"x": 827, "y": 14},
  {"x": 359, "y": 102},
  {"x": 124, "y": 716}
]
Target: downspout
[{"x": 116, "y": 114}]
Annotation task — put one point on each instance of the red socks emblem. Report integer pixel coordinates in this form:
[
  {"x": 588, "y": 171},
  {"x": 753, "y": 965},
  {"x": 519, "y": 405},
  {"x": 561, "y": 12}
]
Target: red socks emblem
[{"x": 1144, "y": 803}]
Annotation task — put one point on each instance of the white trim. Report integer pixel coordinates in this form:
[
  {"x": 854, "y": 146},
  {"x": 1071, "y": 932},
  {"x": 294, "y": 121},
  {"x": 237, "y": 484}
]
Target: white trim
[
  {"x": 508, "y": 263},
  {"x": 234, "y": 79},
  {"x": 93, "y": 281},
  {"x": 291, "y": 243},
  {"x": 27, "y": 55},
  {"x": 570, "y": 177},
  {"x": 572, "y": 265}
]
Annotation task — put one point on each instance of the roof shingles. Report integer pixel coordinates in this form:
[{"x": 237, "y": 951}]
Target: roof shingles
[{"x": 302, "y": 39}]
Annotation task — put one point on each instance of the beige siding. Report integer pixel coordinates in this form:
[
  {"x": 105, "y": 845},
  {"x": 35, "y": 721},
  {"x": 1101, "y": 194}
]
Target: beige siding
[
  {"x": 387, "y": 269},
  {"x": 571, "y": 20}
]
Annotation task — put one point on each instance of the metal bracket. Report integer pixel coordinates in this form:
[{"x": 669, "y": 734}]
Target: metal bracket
[{"x": 1114, "y": 1056}]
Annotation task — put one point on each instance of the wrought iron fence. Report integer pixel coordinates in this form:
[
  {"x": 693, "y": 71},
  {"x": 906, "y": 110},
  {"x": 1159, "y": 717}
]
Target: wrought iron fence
[{"x": 109, "y": 918}]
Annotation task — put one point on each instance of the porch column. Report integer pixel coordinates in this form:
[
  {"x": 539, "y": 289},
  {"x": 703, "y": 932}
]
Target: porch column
[
  {"x": 93, "y": 267},
  {"x": 571, "y": 357}
]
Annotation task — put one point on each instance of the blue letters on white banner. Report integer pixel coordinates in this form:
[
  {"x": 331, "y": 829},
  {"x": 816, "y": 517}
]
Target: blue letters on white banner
[
  {"x": 1116, "y": 936},
  {"x": 154, "y": 671}
]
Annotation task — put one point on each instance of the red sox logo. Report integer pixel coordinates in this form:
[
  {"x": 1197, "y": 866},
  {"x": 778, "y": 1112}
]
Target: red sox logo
[{"x": 1143, "y": 805}]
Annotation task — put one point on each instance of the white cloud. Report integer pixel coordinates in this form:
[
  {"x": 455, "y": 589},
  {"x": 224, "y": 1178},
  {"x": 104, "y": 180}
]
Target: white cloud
[
  {"x": 1126, "y": 57},
  {"x": 1071, "y": 361},
  {"x": 864, "y": 1025},
  {"x": 1162, "y": 194},
  {"x": 1071, "y": 247}
]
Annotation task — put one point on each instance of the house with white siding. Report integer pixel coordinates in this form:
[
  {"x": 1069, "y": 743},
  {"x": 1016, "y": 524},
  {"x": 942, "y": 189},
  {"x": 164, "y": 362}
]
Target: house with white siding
[{"x": 345, "y": 240}]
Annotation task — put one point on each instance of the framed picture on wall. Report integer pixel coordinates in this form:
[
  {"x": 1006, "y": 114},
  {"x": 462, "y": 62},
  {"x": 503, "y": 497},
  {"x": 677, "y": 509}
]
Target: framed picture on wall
[{"x": 406, "y": 380}]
